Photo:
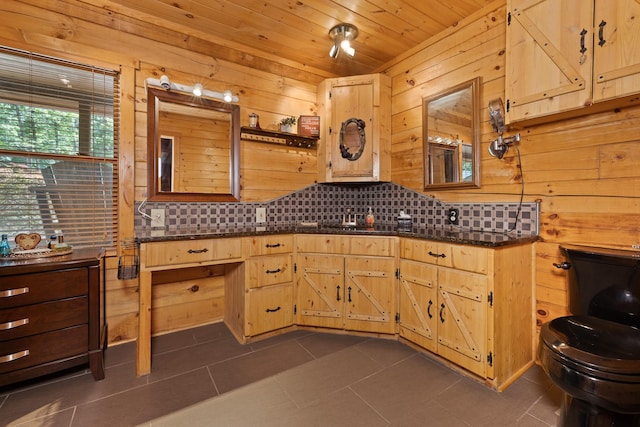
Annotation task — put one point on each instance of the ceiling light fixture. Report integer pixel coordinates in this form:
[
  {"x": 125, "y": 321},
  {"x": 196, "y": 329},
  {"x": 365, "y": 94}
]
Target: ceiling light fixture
[
  {"x": 197, "y": 90},
  {"x": 342, "y": 36}
]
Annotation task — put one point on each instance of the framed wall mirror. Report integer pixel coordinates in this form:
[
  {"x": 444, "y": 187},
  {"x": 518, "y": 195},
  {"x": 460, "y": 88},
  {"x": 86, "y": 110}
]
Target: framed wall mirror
[
  {"x": 451, "y": 127},
  {"x": 193, "y": 148}
]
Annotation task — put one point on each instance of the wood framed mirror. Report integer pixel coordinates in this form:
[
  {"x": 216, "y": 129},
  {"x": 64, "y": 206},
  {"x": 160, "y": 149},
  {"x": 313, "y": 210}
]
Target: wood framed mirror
[
  {"x": 451, "y": 135},
  {"x": 193, "y": 148}
]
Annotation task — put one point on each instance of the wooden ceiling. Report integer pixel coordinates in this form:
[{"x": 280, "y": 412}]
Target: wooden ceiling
[{"x": 293, "y": 34}]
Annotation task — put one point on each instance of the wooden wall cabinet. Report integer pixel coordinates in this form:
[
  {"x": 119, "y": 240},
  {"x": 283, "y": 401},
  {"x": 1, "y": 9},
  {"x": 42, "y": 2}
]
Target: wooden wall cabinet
[
  {"x": 366, "y": 97},
  {"x": 51, "y": 316},
  {"x": 584, "y": 54},
  {"x": 471, "y": 305},
  {"x": 346, "y": 282},
  {"x": 269, "y": 284}
]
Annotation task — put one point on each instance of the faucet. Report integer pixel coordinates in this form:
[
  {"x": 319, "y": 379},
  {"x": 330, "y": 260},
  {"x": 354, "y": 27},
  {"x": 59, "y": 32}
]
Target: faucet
[{"x": 349, "y": 220}]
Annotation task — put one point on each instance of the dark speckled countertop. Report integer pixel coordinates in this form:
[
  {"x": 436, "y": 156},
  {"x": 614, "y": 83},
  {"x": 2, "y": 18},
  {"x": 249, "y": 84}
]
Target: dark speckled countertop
[{"x": 478, "y": 238}]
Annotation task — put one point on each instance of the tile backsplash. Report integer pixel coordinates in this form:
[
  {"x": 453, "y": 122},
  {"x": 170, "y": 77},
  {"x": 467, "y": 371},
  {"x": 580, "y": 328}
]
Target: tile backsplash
[{"x": 326, "y": 203}]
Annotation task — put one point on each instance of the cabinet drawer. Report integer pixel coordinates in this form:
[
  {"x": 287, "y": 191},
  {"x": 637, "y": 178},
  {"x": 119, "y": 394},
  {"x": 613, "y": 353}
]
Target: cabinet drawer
[
  {"x": 268, "y": 245},
  {"x": 269, "y": 270},
  {"x": 460, "y": 257},
  {"x": 42, "y": 348},
  {"x": 347, "y": 245},
  {"x": 270, "y": 308},
  {"x": 191, "y": 251},
  {"x": 38, "y": 318},
  {"x": 38, "y": 287}
]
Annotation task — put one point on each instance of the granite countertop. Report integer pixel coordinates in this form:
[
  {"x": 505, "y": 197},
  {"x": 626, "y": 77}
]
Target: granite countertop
[{"x": 446, "y": 234}]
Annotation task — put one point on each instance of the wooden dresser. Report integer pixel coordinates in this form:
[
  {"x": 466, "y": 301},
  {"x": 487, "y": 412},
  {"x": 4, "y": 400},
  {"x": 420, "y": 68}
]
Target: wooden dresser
[{"x": 52, "y": 315}]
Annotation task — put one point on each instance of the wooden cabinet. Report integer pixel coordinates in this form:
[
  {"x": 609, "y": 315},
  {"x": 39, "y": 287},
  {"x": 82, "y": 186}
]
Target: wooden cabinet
[
  {"x": 471, "y": 305},
  {"x": 51, "y": 316},
  {"x": 346, "y": 282},
  {"x": 269, "y": 284},
  {"x": 583, "y": 52},
  {"x": 368, "y": 98}
]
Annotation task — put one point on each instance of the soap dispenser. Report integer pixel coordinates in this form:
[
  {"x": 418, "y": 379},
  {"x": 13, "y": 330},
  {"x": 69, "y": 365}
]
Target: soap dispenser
[{"x": 370, "y": 220}]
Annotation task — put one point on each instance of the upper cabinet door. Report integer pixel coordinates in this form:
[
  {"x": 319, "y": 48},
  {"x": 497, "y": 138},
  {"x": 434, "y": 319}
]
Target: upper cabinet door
[
  {"x": 617, "y": 56},
  {"x": 355, "y": 139},
  {"x": 549, "y": 57}
]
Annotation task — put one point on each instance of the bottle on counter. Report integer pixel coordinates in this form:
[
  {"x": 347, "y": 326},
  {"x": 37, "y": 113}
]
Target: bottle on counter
[
  {"x": 5, "y": 249},
  {"x": 52, "y": 241},
  {"x": 370, "y": 220}
]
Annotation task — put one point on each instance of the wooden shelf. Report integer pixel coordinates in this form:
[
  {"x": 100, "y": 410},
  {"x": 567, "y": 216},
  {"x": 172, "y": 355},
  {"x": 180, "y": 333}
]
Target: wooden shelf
[{"x": 279, "y": 138}]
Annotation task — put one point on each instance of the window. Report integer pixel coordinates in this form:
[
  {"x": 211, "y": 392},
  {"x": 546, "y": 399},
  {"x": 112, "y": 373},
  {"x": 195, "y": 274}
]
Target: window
[{"x": 58, "y": 149}]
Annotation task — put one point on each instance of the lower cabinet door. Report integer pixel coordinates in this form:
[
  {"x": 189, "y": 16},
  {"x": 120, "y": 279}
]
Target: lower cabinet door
[
  {"x": 320, "y": 290},
  {"x": 269, "y": 308},
  {"x": 462, "y": 319},
  {"x": 419, "y": 303}
]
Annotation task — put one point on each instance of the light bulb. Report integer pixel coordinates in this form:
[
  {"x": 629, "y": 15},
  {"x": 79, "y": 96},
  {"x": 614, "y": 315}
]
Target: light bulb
[
  {"x": 197, "y": 89},
  {"x": 227, "y": 96},
  {"x": 346, "y": 47}
]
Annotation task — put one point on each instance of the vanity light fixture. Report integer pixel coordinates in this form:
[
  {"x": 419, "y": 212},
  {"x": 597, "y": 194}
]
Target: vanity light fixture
[
  {"x": 197, "y": 90},
  {"x": 499, "y": 146},
  {"x": 343, "y": 35}
]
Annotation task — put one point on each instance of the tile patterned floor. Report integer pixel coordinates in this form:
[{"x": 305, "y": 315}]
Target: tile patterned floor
[{"x": 203, "y": 377}]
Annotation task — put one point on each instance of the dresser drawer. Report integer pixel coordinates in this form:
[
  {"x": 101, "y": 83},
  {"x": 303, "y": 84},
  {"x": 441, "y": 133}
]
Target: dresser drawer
[
  {"x": 268, "y": 245},
  {"x": 42, "y": 348},
  {"x": 38, "y": 318},
  {"x": 33, "y": 288},
  {"x": 185, "y": 252},
  {"x": 269, "y": 270}
]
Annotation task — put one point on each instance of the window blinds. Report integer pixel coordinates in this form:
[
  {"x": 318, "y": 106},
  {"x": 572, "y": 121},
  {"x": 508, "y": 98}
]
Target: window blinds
[{"x": 58, "y": 149}]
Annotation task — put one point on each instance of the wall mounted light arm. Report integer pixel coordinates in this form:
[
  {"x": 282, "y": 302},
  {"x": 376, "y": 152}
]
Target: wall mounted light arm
[
  {"x": 197, "y": 90},
  {"x": 499, "y": 147}
]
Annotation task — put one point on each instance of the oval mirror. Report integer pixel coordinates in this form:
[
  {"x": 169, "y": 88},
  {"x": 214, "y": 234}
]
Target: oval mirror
[
  {"x": 192, "y": 149},
  {"x": 451, "y": 134},
  {"x": 352, "y": 139}
]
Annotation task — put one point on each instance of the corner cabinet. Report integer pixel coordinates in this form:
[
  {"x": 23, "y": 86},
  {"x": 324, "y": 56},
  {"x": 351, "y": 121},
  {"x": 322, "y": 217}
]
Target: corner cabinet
[
  {"x": 346, "y": 282},
  {"x": 584, "y": 53},
  {"x": 51, "y": 315},
  {"x": 350, "y": 155},
  {"x": 471, "y": 305}
]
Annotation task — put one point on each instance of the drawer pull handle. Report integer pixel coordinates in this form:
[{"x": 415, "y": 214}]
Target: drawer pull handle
[
  {"x": 429, "y": 309},
  {"x": 13, "y": 324},
  {"x": 14, "y": 292},
  {"x": 14, "y": 356},
  {"x": 272, "y": 310},
  {"x": 198, "y": 251},
  {"x": 441, "y": 310},
  {"x": 277, "y": 245},
  {"x": 437, "y": 255},
  {"x": 273, "y": 271}
]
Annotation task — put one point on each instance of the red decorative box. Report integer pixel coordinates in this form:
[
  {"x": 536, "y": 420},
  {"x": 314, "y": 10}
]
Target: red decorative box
[{"x": 309, "y": 126}]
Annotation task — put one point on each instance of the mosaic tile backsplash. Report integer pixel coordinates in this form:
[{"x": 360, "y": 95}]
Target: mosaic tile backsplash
[{"x": 327, "y": 203}]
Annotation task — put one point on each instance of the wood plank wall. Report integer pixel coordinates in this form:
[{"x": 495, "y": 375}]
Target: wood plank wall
[{"x": 584, "y": 172}]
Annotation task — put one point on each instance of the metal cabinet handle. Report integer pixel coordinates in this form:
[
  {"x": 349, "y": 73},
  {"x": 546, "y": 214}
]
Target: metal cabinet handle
[
  {"x": 337, "y": 293},
  {"x": 13, "y": 324},
  {"x": 601, "y": 33},
  {"x": 429, "y": 309},
  {"x": 277, "y": 245},
  {"x": 273, "y": 271},
  {"x": 272, "y": 310},
  {"x": 441, "y": 310},
  {"x": 435, "y": 255},
  {"x": 563, "y": 265},
  {"x": 198, "y": 251},
  {"x": 14, "y": 356},
  {"x": 14, "y": 292},
  {"x": 349, "y": 293},
  {"x": 583, "y": 33}
]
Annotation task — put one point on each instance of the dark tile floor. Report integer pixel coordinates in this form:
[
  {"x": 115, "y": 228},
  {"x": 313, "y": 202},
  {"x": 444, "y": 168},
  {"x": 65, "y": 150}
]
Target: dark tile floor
[{"x": 203, "y": 377}]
